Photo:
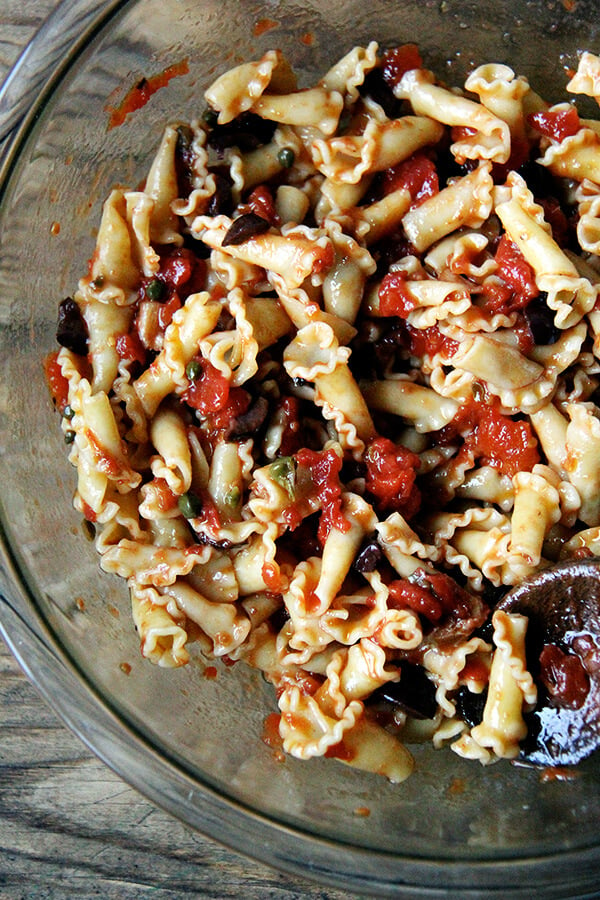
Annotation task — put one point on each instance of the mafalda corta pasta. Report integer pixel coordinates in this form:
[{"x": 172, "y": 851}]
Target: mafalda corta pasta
[{"x": 331, "y": 389}]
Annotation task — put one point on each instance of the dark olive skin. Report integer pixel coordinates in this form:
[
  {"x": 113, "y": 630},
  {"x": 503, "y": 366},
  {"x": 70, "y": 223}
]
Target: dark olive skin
[{"x": 562, "y": 604}]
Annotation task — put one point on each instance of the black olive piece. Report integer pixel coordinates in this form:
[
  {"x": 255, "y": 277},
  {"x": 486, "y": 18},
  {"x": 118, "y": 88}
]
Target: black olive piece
[
  {"x": 198, "y": 247},
  {"x": 368, "y": 557},
  {"x": 540, "y": 319},
  {"x": 376, "y": 87},
  {"x": 351, "y": 469},
  {"x": 562, "y": 603},
  {"x": 221, "y": 202},
  {"x": 184, "y": 158},
  {"x": 249, "y": 423},
  {"x": 470, "y": 706},
  {"x": 71, "y": 329},
  {"x": 243, "y": 228},
  {"x": 540, "y": 180},
  {"x": 280, "y": 618},
  {"x": 247, "y": 132},
  {"x": 414, "y": 693}
]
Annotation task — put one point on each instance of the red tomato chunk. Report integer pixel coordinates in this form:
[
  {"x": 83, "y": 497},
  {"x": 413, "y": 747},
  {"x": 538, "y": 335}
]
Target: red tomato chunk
[
  {"x": 508, "y": 445},
  {"x": 325, "y": 466},
  {"x": 391, "y": 476},
  {"x": 556, "y": 124},
  {"x": 417, "y": 175},
  {"x": 399, "y": 60}
]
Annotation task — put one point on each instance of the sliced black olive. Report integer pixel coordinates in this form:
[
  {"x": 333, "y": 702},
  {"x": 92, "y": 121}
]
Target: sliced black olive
[
  {"x": 71, "y": 330},
  {"x": 540, "y": 319},
  {"x": 243, "y": 228},
  {"x": 368, "y": 557},
  {"x": 414, "y": 693},
  {"x": 250, "y": 422},
  {"x": 376, "y": 87},
  {"x": 184, "y": 159},
  {"x": 540, "y": 180},
  {"x": 247, "y": 132},
  {"x": 562, "y": 604},
  {"x": 470, "y": 706},
  {"x": 221, "y": 202}
]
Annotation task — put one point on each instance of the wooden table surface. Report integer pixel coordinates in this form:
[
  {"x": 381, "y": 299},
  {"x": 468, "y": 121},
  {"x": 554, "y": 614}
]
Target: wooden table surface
[{"x": 69, "y": 827}]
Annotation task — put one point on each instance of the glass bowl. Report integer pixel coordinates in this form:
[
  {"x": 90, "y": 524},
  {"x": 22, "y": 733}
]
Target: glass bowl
[{"x": 190, "y": 743}]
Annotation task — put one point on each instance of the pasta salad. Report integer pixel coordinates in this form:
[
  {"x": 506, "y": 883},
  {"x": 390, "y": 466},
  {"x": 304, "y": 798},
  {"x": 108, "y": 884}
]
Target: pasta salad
[{"x": 330, "y": 386}]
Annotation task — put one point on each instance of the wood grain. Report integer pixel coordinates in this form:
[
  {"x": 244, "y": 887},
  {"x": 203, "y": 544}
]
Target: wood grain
[{"x": 69, "y": 827}]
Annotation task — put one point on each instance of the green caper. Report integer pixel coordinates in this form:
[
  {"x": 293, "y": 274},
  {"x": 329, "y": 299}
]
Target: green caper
[
  {"x": 193, "y": 370},
  {"x": 69, "y": 436},
  {"x": 233, "y": 497},
  {"x": 286, "y": 157},
  {"x": 283, "y": 471},
  {"x": 190, "y": 505},
  {"x": 155, "y": 289},
  {"x": 68, "y": 412}
]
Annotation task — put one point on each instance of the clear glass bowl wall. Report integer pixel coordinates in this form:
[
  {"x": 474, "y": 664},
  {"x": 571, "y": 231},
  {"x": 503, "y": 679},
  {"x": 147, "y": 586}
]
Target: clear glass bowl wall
[{"x": 194, "y": 744}]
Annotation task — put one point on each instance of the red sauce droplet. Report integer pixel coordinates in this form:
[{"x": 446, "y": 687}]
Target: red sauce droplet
[
  {"x": 140, "y": 93},
  {"x": 264, "y": 25},
  {"x": 210, "y": 672},
  {"x": 341, "y": 751},
  {"x": 362, "y": 812},
  {"x": 457, "y": 786},
  {"x": 126, "y": 668},
  {"x": 271, "y": 736},
  {"x": 308, "y": 39},
  {"x": 558, "y": 773},
  {"x": 55, "y": 229}
]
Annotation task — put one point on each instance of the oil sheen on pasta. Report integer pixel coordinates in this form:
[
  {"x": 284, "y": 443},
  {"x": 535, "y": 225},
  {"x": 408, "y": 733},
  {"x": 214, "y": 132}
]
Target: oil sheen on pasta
[{"x": 330, "y": 386}]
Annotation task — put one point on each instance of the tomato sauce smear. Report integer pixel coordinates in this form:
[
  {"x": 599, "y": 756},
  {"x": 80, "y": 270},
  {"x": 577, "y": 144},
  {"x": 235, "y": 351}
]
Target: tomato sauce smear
[{"x": 140, "y": 93}]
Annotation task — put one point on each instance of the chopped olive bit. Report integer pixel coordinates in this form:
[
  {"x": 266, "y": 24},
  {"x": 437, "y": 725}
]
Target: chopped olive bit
[
  {"x": 221, "y": 201},
  {"x": 68, "y": 412},
  {"x": 470, "y": 706},
  {"x": 244, "y": 227},
  {"x": 246, "y": 132},
  {"x": 71, "y": 329},
  {"x": 283, "y": 471},
  {"x": 414, "y": 693},
  {"x": 69, "y": 436},
  {"x": 369, "y": 556},
  {"x": 540, "y": 319},
  {"x": 190, "y": 505},
  {"x": 249, "y": 423}
]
